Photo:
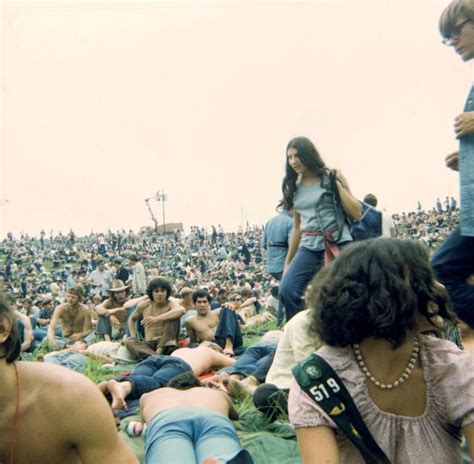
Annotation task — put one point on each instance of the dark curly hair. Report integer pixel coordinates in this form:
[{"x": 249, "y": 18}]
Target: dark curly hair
[
  {"x": 201, "y": 293},
  {"x": 158, "y": 282},
  {"x": 184, "y": 381},
  {"x": 311, "y": 160},
  {"x": 374, "y": 289}
]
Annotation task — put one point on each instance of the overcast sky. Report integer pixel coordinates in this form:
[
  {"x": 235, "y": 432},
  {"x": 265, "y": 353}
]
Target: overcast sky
[{"x": 105, "y": 103}]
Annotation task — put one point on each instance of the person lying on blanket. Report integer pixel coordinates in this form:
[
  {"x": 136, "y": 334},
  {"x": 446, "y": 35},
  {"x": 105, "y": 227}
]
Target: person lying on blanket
[
  {"x": 187, "y": 422},
  {"x": 156, "y": 371}
]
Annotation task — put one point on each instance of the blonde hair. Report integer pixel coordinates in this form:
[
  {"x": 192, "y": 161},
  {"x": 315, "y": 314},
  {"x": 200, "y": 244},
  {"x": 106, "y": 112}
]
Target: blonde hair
[
  {"x": 455, "y": 13},
  {"x": 185, "y": 291}
]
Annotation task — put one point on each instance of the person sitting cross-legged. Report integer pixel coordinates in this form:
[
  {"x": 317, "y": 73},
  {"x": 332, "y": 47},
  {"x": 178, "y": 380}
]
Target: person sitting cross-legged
[
  {"x": 220, "y": 325},
  {"x": 160, "y": 317}
]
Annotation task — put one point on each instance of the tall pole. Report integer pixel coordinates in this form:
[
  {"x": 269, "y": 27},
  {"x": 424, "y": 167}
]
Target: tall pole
[{"x": 163, "y": 198}]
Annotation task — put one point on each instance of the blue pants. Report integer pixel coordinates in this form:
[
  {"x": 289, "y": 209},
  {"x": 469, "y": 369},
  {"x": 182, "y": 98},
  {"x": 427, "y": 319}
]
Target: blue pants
[
  {"x": 228, "y": 326},
  {"x": 21, "y": 331},
  {"x": 255, "y": 360},
  {"x": 70, "y": 359},
  {"x": 303, "y": 267},
  {"x": 154, "y": 372},
  {"x": 189, "y": 435},
  {"x": 453, "y": 263},
  {"x": 278, "y": 276}
]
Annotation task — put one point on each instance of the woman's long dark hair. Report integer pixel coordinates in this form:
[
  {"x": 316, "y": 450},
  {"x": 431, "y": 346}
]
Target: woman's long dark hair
[
  {"x": 310, "y": 158},
  {"x": 12, "y": 345}
]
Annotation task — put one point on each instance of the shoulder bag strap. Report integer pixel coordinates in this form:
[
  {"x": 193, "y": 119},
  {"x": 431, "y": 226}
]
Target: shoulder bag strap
[{"x": 319, "y": 381}]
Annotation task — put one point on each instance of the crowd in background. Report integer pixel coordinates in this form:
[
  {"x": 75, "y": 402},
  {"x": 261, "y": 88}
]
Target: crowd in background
[{"x": 42, "y": 269}]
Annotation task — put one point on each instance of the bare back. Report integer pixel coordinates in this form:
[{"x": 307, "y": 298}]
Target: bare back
[
  {"x": 202, "y": 359},
  {"x": 57, "y": 407},
  {"x": 199, "y": 397}
]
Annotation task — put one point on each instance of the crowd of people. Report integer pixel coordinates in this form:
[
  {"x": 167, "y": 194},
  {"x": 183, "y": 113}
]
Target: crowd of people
[
  {"x": 431, "y": 226},
  {"x": 173, "y": 305},
  {"x": 371, "y": 356},
  {"x": 39, "y": 270}
]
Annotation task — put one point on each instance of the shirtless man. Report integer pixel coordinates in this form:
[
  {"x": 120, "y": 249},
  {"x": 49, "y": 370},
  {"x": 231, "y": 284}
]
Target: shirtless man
[
  {"x": 160, "y": 319},
  {"x": 47, "y": 411},
  {"x": 74, "y": 317},
  {"x": 191, "y": 425},
  {"x": 113, "y": 311},
  {"x": 156, "y": 371},
  {"x": 219, "y": 325}
]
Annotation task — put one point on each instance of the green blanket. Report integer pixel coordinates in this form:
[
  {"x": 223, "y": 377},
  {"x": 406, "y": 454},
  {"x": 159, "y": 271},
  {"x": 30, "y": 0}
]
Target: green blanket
[{"x": 275, "y": 444}]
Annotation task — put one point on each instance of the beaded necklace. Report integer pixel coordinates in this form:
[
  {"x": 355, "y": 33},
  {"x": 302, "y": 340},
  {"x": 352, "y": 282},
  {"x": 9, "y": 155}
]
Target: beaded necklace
[{"x": 406, "y": 373}]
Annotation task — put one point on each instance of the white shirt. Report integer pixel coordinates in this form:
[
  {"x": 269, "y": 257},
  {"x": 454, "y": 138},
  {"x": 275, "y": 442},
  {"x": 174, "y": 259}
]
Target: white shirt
[{"x": 295, "y": 345}]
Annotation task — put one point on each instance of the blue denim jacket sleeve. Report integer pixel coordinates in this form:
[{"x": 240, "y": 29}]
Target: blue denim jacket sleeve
[{"x": 466, "y": 171}]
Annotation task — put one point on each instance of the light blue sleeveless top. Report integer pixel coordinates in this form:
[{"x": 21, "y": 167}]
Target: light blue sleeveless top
[{"x": 304, "y": 202}]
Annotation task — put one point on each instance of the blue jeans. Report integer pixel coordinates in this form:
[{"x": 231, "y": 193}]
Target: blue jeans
[
  {"x": 154, "y": 372},
  {"x": 278, "y": 276},
  {"x": 228, "y": 326},
  {"x": 256, "y": 360},
  {"x": 189, "y": 435},
  {"x": 70, "y": 359},
  {"x": 303, "y": 267},
  {"x": 453, "y": 263}
]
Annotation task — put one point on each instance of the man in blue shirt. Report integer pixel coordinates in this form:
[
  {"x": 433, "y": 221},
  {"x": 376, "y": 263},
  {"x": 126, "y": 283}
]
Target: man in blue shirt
[
  {"x": 454, "y": 259},
  {"x": 276, "y": 238}
]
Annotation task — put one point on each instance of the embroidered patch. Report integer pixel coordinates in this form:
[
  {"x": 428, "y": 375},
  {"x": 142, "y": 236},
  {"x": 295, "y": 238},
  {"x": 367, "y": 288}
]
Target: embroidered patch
[{"x": 313, "y": 372}]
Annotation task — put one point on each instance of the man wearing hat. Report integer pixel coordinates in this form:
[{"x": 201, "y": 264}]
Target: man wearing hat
[{"x": 111, "y": 313}]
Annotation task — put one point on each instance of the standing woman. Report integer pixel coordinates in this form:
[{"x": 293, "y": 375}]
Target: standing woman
[{"x": 317, "y": 229}]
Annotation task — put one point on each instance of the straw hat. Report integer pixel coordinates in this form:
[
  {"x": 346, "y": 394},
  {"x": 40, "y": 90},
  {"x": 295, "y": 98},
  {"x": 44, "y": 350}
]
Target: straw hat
[
  {"x": 123, "y": 355},
  {"x": 117, "y": 285}
]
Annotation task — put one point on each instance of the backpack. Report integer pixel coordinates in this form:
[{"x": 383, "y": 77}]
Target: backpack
[{"x": 369, "y": 225}]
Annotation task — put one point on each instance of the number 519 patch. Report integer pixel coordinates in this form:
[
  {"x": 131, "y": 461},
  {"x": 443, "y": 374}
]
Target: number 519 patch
[{"x": 320, "y": 392}]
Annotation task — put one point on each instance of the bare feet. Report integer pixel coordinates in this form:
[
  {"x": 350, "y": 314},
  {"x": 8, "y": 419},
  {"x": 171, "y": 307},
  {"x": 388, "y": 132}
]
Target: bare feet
[
  {"x": 236, "y": 388},
  {"x": 102, "y": 386},
  {"x": 118, "y": 394},
  {"x": 229, "y": 347},
  {"x": 229, "y": 352},
  {"x": 249, "y": 385}
]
